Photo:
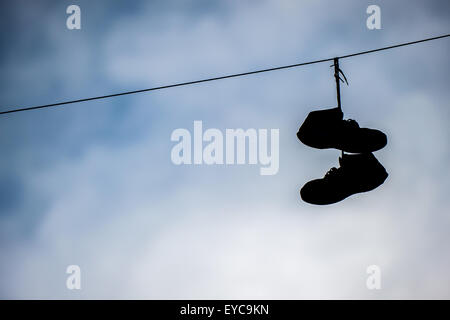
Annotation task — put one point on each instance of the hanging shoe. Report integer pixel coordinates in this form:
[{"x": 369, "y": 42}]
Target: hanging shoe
[
  {"x": 325, "y": 129},
  {"x": 357, "y": 173}
]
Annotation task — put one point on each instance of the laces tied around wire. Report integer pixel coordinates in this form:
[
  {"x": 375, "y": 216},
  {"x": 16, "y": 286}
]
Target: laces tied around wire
[{"x": 337, "y": 75}]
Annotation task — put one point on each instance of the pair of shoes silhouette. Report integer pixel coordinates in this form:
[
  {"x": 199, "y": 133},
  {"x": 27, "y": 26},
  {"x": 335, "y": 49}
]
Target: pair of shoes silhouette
[{"x": 358, "y": 172}]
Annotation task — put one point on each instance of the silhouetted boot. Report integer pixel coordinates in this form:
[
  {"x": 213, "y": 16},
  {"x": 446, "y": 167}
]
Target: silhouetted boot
[
  {"x": 324, "y": 129},
  {"x": 357, "y": 173}
]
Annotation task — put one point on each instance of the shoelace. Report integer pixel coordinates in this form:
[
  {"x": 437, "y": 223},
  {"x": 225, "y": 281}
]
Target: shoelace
[
  {"x": 333, "y": 172},
  {"x": 351, "y": 123}
]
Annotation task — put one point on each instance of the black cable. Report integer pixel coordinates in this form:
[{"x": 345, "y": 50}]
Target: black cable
[
  {"x": 394, "y": 46},
  {"x": 219, "y": 78}
]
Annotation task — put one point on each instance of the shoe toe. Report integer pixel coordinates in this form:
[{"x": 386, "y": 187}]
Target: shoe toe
[
  {"x": 321, "y": 192},
  {"x": 312, "y": 192},
  {"x": 366, "y": 140},
  {"x": 306, "y": 192},
  {"x": 377, "y": 140}
]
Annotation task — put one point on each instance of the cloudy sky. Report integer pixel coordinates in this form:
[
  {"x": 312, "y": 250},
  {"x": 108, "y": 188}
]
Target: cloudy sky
[{"x": 93, "y": 184}]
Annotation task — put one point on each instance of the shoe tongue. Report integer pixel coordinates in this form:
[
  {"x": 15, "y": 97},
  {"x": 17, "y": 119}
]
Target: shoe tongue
[
  {"x": 347, "y": 159},
  {"x": 337, "y": 114},
  {"x": 355, "y": 159}
]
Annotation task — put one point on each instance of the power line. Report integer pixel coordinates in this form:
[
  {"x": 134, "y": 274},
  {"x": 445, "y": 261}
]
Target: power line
[
  {"x": 394, "y": 46},
  {"x": 219, "y": 77}
]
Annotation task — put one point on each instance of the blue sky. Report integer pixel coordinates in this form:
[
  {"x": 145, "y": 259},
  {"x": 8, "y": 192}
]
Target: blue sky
[{"x": 92, "y": 184}]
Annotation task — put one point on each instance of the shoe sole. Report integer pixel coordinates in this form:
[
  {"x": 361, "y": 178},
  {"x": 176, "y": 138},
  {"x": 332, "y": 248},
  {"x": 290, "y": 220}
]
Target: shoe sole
[
  {"x": 342, "y": 146},
  {"x": 374, "y": 185}
]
